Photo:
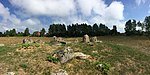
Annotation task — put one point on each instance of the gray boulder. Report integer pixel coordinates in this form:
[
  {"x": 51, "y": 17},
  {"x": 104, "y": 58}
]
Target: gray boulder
[{"x": 64, "y": 55}]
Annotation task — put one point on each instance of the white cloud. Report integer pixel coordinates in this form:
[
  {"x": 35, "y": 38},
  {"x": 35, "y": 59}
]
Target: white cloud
[
  {"x": 87, "y": 7},
  {"x": 10, "y": 21},
  {"x": 46, "y": 7},
  {"x": 138, "y": 2},
  {"x": 63, "y": 11}
]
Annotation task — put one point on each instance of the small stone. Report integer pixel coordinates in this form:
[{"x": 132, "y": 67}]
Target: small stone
[
  {"x": 2, "y": 45},
  {"x": 60, "y": 72},
  {"x": 94, "y": 52},
  {"x": 27, "y": 41},
  {"x": 101, "y": 41},
  {"x": 76, "y": 41},
  {"x": 10, "y": 73}
]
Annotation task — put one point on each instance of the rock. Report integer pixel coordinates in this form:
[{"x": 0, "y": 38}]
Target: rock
[
  {"x": 27, "y": 41},
  {"x": 55, "y": 38},
  {"x": 64, "y": 55},
  {"x": 100, "y": 41},
  {"x": 94, "y": 51},
  {"x": 10, "y": 73},
  {"x": 76, "y": 41},
  {"x": 81, "y": 55},
  {"x": 59, "y": 40},
  {"x": 2, "y": 45},
  {"x": 24, "y": 41},
  {"x": 86, "y": 38},
  {"x": 91, "y": 44},
  {"x": 60, "y": 72},
  {"x": 94, "y": 39}
]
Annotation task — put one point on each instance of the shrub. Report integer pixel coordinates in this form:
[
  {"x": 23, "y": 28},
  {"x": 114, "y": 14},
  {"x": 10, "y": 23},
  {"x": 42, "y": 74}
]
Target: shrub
[
  {"x": 103, "y": 67},
  {"x": 25, "y": 45},
  {"x": 23, "y": 65},
  {"x": 52, "y": 59}
]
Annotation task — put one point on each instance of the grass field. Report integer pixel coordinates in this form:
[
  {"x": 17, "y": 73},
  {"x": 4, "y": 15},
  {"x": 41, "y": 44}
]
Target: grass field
[{"x": 126, "y": 55}]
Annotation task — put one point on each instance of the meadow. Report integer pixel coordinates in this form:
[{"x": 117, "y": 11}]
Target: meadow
[{"x": 125, "y": 55}]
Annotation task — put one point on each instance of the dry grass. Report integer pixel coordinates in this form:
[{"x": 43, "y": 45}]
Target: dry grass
[
  {"x": 18, "y": 40},
  {"x": 127, "y": 56}
]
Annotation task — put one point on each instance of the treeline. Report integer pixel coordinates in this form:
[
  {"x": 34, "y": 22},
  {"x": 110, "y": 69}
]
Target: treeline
[
  {"x": 77, "y": 30},
  {"x": 132, "y": 27},
  {"x": 74, "y": 30}
]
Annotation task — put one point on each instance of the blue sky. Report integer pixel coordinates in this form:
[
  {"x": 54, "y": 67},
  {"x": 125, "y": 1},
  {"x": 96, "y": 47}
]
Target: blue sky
[{"x": 37, "y": 14}]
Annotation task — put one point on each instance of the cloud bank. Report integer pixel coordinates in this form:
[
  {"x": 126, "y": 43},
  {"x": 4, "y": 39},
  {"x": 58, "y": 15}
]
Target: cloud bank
[{"x": 62, "y": 11}]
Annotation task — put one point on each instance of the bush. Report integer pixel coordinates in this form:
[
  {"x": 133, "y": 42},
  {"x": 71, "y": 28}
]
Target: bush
[
  {"x": 103, "y": 67},
  {"x": 52, "y": 59},
  {"x": 23, "y": 65},
  {"x": 25, "y": 45}
]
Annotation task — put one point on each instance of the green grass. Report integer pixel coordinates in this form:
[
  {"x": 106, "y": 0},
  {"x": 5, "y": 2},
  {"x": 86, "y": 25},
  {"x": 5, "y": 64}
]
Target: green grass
[
  {"x": 122, "y": 58},
  {"x": 117, "y": 54},
  {"x": 23, "y": 65},
  {"x": 50, "y": 58}
]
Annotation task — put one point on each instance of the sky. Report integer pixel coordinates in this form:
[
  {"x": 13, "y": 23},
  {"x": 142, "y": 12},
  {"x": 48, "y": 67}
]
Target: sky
[{"x": 38, "y": 14}]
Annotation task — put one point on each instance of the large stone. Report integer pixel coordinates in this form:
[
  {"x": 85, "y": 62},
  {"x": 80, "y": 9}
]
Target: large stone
[
  {"x": 81, "y": 55},
  {"x": 94, "y": 39},
  {"x": 55, "y": 38},
  {"x": 60, "y": 72},
  {"x": 86, "y": 38},
  {"x": 68, "y": 54},
  {"x": 64, "y": 55}
]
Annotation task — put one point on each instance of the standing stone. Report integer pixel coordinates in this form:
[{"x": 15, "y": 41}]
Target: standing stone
[
  {"x": 94, "y": 39},
  {"x": 86, "y": 38},
  {"x": 24, "y": 40},
  {"x": 55, "y": 38}
]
